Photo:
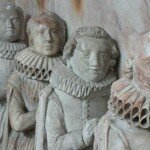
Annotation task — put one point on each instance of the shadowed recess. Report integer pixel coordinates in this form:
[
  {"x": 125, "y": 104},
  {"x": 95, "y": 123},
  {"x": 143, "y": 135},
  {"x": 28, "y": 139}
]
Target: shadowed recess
[{"x": 78, "y": 5}]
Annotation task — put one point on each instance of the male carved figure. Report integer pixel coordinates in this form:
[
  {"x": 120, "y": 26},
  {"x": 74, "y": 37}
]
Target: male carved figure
[
  {"x": 81, "y": 89},
  {"x": 34, "y": 64},
  {"x": 11, "y": 22},
  {"x": 126, "y": 125}
]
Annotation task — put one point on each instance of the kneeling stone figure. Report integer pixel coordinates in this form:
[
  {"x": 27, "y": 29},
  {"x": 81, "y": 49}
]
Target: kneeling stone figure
[
  {"x": 34, "y": 65},
  {"x": 126, "y": 125},
  {"x": 80, "y": 89}
]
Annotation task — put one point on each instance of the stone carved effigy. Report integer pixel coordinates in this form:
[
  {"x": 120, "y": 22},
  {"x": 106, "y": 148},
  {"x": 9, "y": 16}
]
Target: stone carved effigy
[
  {"x": 80, "y": 89},
  {"x": 126, "y": 124},
  {"x": 11, "y": 23},
  {"x": 34, "y": 65}
]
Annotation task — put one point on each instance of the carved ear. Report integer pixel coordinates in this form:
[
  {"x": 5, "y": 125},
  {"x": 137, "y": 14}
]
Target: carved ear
[
  {"x": 30, "y": 39},
  {"x": 69, "y": 63}
]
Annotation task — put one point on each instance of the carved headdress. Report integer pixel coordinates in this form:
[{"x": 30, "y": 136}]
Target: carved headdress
[{"x": 130, "y": 97}]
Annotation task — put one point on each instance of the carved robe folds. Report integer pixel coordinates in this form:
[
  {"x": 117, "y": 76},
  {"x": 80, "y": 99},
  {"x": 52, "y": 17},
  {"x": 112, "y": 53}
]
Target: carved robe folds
[
  {"x": 73, "y": 102},
  {"x": 24, "y": 86},
  {"x": 127, "y": 123},
  {"x": 7, "y": 52}
]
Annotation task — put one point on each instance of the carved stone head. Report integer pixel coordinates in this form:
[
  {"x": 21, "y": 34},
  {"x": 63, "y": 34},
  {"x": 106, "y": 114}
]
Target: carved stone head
[
  {"x": 91, "y": 53},
  {"x": 11, "y": 18},
  {"x": 47, "y": 33}
]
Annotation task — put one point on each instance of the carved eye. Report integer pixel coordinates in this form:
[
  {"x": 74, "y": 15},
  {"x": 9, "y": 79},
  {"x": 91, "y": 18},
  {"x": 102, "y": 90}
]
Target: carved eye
[
  {"x": 41, "y": 31},
  {"x": 86, "y": 53},
  {"x": 102, "y": 55},
  {"x": 53, "y": 30},
  {"x": 16, "y": 20}
]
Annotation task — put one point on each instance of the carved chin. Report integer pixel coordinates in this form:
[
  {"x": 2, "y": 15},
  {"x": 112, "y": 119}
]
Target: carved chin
[
  {"x": 50, "y": 52},
  {"x": 94, "y": 77}
]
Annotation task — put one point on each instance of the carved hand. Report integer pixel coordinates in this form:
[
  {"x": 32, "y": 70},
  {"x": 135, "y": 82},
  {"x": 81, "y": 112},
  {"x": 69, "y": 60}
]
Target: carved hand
[{"x": 88, "y": 131}]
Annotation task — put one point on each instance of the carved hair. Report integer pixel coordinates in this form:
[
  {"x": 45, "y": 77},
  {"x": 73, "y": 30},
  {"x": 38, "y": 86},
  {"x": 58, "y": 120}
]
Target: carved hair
[
  {"x": 95, "y": 32},
  {"x": 10, "y": 5},
  {"x": 44, "y": 17}
]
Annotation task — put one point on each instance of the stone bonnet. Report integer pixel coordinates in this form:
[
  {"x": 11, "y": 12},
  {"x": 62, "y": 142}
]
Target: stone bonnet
[
  {"x": 130, "y": 97},
  {"x": 44, "y": 17},
  {"x": 95, "y": 32}
]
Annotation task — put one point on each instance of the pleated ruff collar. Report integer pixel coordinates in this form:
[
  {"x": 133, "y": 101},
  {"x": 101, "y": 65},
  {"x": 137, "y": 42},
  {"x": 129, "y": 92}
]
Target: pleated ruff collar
[
  {"x": 128, "y": 103},
  {"x": 67, "y": 81},
  {"x": 35, "y": 66},
  {"x": 9, "y": 49}
]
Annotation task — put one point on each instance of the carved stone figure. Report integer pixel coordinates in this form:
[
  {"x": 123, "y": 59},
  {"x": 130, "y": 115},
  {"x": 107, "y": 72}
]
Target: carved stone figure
[
  {"x": 80, "y": 89},
  {"x": 11, "y": 22},
  {"x": 34, "y": 64},
  {"x": 126, "y": 125}
]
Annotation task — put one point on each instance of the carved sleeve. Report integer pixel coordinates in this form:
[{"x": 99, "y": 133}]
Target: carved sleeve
[
  {"x": 20, "y": 119},
  {"x": 57, "y": 136}
]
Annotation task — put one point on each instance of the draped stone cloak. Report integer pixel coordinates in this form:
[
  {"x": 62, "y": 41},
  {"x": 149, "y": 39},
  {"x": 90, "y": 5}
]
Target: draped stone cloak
[
  {"x": 7, "y": 52},
  {"x": 72, "y": 102},
  {"x": 31, "y": 76}
]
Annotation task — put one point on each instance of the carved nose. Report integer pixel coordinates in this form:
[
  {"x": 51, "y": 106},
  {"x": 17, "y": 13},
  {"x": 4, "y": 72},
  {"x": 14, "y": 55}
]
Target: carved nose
[
  {"x": 94, "y": 63},
  {"x": 9, "y": 23},
  {"x": 48, "y": 37}
]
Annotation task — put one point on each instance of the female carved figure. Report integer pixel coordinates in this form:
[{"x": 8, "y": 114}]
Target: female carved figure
[
  {"x": 126, "y": 125},
  {"x": 34, "y": 64},
  {"x": 80, "y": 89},
  {"x": 11, "y": 18}
]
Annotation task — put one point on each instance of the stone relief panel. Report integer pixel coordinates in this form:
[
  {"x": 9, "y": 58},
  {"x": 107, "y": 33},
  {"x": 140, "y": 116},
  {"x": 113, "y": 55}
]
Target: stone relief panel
[
  {"x": 126, "y": 124},
  {"x": 79, "y": 91},
  {"x": 121, "y": 19},
  {"x": 33, "y": 67},
  {"x": 11, "y": 21}
]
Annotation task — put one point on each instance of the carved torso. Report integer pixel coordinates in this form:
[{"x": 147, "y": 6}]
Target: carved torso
[
  {"x": 24, "y": 85},
  {"x": 74, "y": 102},
  {"x": 127, "y": 121},
  {"x": 29, "y": 89},
  {"x": 7, "y": 52},
  {"x": 81, "y": 110}
]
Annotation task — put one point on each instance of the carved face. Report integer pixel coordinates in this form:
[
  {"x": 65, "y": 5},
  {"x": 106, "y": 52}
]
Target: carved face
[
  {"x": 10, "y": 25},
  {"x": 90, "y": 59},
  {"x": 46, "y": 39}
]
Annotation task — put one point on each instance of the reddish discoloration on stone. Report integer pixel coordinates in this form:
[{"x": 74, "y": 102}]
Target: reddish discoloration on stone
[
  {"x": 14, "y": 1},
  {"x": 41, "y": 4},
  {"x": 78, "y": 5}
]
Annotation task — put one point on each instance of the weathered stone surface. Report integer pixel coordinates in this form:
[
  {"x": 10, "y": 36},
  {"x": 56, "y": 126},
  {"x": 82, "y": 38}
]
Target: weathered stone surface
[
  {"x": 11, "y": 22},
  {"x": 33, "y": 68},
  {"x": 126, "y": 125},
  {"x": 122, "y": 19},
  {"x": 79, "y": 90}
]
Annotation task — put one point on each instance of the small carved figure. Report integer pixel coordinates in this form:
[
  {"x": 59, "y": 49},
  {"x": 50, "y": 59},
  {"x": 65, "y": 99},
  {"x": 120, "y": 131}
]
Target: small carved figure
[
  {"x": 126, "y": 125},
  {"x": 80, "y": 89},
  {"x": 11, "y": 23},
  {"x": 34, "y": 64}
]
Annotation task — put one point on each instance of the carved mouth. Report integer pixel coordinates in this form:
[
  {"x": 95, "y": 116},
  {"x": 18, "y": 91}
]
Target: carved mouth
[
  {"x": 48, "y": 47},
  {"x": 96, "y": 69}
]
